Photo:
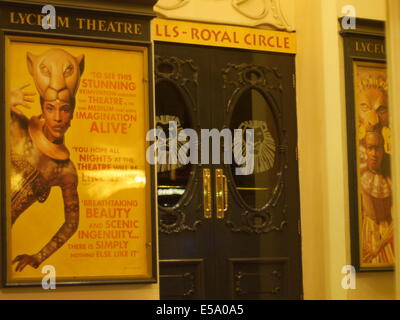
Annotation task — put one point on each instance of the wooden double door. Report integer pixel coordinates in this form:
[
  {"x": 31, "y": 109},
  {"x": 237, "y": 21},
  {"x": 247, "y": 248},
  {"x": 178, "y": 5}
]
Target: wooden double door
[{"x": 223, "y": 235}]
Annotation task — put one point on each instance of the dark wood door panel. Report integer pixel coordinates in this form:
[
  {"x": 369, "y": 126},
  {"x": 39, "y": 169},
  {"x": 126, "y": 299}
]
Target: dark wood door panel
[
  {"x": 182, "y": 279},
  {"x": 253, "y": 249},
  {"x": 264, "y": 229},
  {"x": 259, "y": 278},
  {"x": 191, "y": 238}
]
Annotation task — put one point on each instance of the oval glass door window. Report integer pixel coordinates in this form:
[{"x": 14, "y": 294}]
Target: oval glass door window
[
  {"x": 171, "y": 117},
  {"x": 252, "y": 111}
]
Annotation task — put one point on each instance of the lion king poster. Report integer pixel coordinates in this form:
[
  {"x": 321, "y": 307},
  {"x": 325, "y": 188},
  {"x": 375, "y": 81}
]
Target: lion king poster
[
  {"x": 78, "y": 184},
  {"x": 374, "y": 146}
]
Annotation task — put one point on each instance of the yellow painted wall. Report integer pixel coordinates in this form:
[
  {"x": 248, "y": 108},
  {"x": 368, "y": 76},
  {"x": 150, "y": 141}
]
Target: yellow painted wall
[
  {"x": 311, "y": 168},
  {"x": 370, "y": 9},
  {"x": 323, "y": 152},
  {"x": 224, "y": 12},
  {"x": 120, "y": 292},
  {"x": 393, "y": 51}
]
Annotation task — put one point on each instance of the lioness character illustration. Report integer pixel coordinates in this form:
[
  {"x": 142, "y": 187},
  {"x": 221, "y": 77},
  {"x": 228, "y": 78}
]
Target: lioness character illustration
[{"x": 39, "y": 158}]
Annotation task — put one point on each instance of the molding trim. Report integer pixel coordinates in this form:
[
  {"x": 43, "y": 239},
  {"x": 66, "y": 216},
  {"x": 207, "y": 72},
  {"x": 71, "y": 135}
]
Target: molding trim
[
  {"x": 266, "y": 13},
  {"x": 172, "y": 6}
]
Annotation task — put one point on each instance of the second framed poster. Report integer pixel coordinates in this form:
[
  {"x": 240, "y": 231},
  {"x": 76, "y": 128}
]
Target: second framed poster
[
  {"x": 369, "y": 147},
  {"x": 373, "y": 140}
]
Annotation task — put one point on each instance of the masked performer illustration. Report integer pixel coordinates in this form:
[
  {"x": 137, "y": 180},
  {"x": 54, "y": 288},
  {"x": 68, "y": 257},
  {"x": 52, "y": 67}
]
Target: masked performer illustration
[
  {"x": 376, "y": 204},
  {"x": 39, "y": 158}
]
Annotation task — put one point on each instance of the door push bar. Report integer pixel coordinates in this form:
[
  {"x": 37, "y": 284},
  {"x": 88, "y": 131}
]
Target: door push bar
[{"x": 221, "y": 193}]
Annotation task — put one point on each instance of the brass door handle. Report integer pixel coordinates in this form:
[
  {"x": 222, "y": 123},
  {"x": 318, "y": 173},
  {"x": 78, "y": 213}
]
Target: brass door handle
[
  {"x": 225, "y": 193},
  {"x": 207, "y": 204},
  {"x": 221, "y": 193}
]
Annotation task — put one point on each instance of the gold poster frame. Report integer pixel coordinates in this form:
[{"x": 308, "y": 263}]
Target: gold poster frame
[{"x": 148, "y": 276}]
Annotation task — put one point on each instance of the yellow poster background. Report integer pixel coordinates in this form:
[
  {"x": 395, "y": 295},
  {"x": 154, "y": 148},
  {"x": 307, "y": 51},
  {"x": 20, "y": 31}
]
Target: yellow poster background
[{"x": 120, "y": 141}]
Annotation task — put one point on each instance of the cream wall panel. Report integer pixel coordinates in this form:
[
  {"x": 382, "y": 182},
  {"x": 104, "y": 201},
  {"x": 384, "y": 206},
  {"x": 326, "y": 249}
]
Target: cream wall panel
[
  {"x": 370, "y": 9},
  {"x": 321, "y": 150},
  {"x": 322, "y": 142}
]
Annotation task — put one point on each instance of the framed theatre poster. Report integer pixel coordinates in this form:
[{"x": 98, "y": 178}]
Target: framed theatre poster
[
  {"x": 369, "y": 148},
  {"x": 78, "y": 187},
  {"x": 375, "y": 228}
]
